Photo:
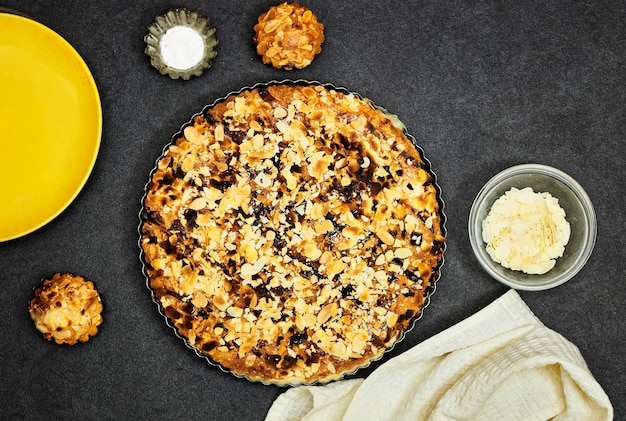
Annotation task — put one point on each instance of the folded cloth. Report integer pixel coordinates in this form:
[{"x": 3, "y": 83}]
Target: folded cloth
[{"x": 501, "y": 363}]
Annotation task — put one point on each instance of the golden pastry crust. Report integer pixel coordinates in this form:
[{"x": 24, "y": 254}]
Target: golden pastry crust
[
  {"x": 288, "y": 36},
  {"x": 291, "y": 233},
  {"x": 67, "y": 309}
]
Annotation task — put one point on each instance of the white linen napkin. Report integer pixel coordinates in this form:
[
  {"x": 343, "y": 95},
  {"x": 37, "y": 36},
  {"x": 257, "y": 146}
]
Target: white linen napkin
[{"x": 501, "y": 363}]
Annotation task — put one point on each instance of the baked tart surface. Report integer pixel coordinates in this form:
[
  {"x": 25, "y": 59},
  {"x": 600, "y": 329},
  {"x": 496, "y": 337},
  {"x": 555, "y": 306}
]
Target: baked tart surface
[{"x": 291, "y": 233}]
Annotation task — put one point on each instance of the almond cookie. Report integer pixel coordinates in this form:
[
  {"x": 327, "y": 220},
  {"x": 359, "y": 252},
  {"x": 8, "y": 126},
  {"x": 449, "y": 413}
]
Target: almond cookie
[
  {"x": 288, "y": 36},
  {"x": 292, "y": 233},
  {"x": 67, "y": 309}
]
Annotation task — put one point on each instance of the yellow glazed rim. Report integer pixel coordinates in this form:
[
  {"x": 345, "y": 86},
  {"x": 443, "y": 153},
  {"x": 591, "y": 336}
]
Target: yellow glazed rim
[{"x": 51, "y": 125}]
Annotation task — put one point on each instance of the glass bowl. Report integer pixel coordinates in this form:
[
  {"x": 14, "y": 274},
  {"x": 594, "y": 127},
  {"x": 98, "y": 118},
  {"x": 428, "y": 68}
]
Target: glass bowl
[{"x": 578, "y": 210}]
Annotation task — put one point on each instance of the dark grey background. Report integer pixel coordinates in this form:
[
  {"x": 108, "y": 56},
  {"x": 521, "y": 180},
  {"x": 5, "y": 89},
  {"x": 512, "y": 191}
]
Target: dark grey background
[{"x": 482, "y": 85}]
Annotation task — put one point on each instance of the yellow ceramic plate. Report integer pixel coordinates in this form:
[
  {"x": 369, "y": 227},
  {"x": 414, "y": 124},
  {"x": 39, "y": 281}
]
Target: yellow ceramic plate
[{"x": 50, "y": 125}]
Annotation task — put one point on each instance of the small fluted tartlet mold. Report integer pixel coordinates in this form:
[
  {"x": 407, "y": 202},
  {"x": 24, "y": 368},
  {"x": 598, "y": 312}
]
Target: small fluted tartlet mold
[{"x": 190, "y": 58}]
